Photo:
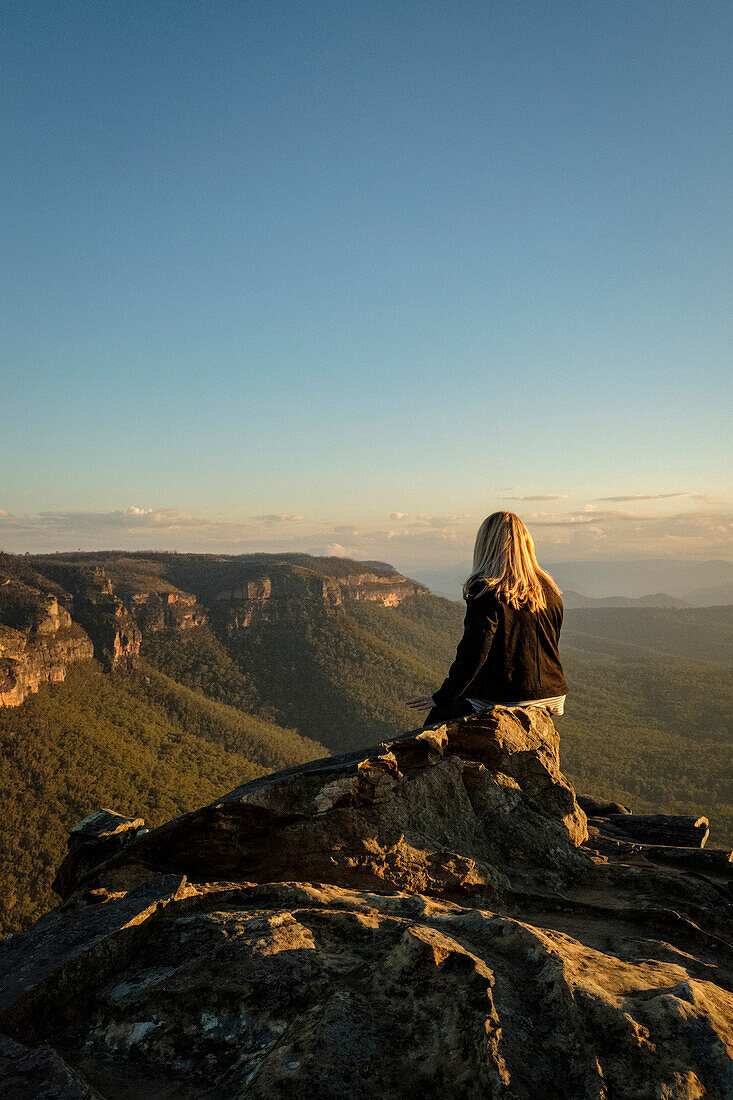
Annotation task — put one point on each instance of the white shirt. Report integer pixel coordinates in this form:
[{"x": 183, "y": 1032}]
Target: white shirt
[{"x": 555, "y": 704}]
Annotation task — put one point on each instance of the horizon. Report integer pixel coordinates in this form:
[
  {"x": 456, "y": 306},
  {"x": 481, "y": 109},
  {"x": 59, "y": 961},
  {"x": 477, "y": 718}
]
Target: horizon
[
  {"x": 316, "y": 277},
  {"x": 584, "y": 535},
  {"x": 707, "y": 582},
  {"x": 588, "y": 533}
]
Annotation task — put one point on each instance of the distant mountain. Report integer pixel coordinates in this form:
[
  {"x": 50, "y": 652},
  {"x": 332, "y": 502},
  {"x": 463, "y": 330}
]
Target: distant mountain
[
  {"x": 637, "y": 578},
  {"x": 660, "y": 599},
  {"x": 695, "y": 583},
  {"x": 139, "y": 680},
  {"x": 714, "y": 595}
]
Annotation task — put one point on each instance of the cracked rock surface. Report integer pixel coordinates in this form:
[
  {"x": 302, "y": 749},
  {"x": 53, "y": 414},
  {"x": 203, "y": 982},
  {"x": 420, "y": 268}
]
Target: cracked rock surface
[{"x": 425, "y": 918}]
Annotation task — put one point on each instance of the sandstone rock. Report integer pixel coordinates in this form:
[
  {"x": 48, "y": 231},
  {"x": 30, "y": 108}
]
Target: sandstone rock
[
  {"x": 451, "y": 810},
  {"x": 175, "y": 611},
  {"x": 270, "y": 598},
  {"x": 106, "y": 619},
  {"x": 40, "y": 1073},
  {"x": 594, "y": 808},
  {"x": 111, "y": 626},
  {"x": 685, "y": 832},
  {"x": 102, "y": 825},
  {"x": 422, "y": 919},
  {"x": 41, "y": 652},
  {"x": 91, "y": 842}
]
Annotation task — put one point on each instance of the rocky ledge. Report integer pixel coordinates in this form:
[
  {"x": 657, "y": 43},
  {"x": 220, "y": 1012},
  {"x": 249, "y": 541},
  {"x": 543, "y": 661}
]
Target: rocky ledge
[
  {"x": 40, "y": 652},
  {"x": 429, "y": 917}
]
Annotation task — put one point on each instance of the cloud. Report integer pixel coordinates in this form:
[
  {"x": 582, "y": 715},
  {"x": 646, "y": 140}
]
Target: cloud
[
  {"x": 541, "y": 496},
  {"x": 438, "y": 521},
  {"x": 130, "y": 528},
  {"x": 578, "y": 533},
  {"x": 131, "y": 518},
  {"x": 277, "y": 517},
  {"x": 398, "y": 515},
  {"x": 656, "y": 496},
  {"x": 692, "y": 534},
  {"x": 586, "y": 515},
  {"x": 336, "y": 550},
  {"x": 426, "y": 535}
]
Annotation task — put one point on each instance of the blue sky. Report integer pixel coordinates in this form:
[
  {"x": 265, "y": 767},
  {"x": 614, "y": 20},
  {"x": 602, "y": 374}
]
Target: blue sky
[{"x": 332, "y": 263}]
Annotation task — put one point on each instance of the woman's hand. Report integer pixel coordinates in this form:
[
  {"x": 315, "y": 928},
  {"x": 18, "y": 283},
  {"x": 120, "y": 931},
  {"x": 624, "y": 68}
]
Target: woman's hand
[{"x": 421, "y": 702}]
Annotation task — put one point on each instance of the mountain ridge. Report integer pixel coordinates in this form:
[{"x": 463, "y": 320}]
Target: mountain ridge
[{"x": 698, "y": 583}]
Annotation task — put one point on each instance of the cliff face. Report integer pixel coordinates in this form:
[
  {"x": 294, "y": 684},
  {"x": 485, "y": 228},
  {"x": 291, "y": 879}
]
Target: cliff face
[
  {"x": 388, "y": 591},
  {"x": 425, "y": 918},
  {"x": 93, "y": 605},
  {"x": 111, "y": 627},
  {"x": 39, "y": 652},
  {"x": 176, "y": 611},
  {"x": 116, "y": 600},
  {"x": 40, "y": 638},
  {"x": 271, "y": 598}
]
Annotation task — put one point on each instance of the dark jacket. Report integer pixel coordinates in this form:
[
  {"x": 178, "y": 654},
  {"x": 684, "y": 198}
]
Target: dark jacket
[{"x": 506, "y": 654}]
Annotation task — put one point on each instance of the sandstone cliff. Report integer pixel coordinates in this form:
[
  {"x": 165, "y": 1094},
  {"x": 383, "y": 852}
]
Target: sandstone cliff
[
  {"x": 425, "y": 918},
  {"x": 116, "y": 599},
  {"x": 176, "y": 611},
  {"x": 38, "y": 651},
  {"x": 271, "y": 597}
]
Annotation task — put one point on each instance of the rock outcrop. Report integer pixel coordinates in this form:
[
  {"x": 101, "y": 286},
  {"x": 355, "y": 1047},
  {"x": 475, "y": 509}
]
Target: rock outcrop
[
  {"x": 271, "y": 597},
  {"x": 40, "y": 637},
  {"x": 41, "y": 650},
  {"x": 95, "y": 606},
  {"x": 426, "y": 918},
  {"x": 112, "y": 628},
  {"x": 115, "y": 600},
  {"x": 175, "y": 611}
]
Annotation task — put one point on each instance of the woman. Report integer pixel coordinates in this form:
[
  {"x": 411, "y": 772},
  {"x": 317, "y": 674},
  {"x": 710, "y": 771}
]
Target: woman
[{"x": 508, "y": 653}]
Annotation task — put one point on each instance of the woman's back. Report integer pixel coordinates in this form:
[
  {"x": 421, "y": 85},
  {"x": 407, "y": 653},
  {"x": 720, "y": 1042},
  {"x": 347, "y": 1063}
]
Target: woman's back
[
  {"x": 509, "y": 649},
  {"x": 523, "y": 662},
  {"x": 506, "y": 653}
]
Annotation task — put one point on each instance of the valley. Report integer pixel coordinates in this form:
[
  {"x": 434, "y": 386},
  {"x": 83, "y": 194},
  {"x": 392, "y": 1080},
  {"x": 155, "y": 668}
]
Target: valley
[{"x": 147, "y": 682}]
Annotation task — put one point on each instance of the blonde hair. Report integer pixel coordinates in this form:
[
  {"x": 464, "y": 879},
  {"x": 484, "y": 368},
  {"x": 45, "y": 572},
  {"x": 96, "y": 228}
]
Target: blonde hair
[{"x": 504, "y": 559}]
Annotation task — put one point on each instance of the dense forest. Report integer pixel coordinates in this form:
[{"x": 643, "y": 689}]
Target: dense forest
[
  {"x": 276, "y": 664},
  {"x": 135, "y": 741},
  {"x": 652, "y": 730}
]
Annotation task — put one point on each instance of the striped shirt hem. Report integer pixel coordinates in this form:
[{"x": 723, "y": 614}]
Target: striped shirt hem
[{"x": 555, "y": 704}]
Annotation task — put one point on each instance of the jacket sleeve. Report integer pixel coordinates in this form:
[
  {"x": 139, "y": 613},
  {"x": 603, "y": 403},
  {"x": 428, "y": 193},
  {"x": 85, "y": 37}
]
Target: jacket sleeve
[{"x": 479, "y": 628}]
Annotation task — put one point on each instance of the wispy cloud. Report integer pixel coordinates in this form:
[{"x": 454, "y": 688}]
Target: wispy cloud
[
  {"x": 422, "y": 520},
  {"x": 339, "y": 530},
  {"x": 541, "y": 496},
  {"x": 656, "y": 496},
  {"x": 129, "y": 528},
  {"x": 277, "y": 517},
  {"x": 132, "y": 518},
  {"x": 448, "y": 520},
  {"x": 581, "y": 532},
  {"x": 700, "y": 533}
]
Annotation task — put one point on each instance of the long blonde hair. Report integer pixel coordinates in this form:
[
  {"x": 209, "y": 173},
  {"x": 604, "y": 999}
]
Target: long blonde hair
[{"x": 504, "y": 559}]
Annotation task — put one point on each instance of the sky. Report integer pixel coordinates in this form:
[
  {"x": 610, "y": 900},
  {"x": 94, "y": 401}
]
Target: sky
[{"x": 347, "y": 276}]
